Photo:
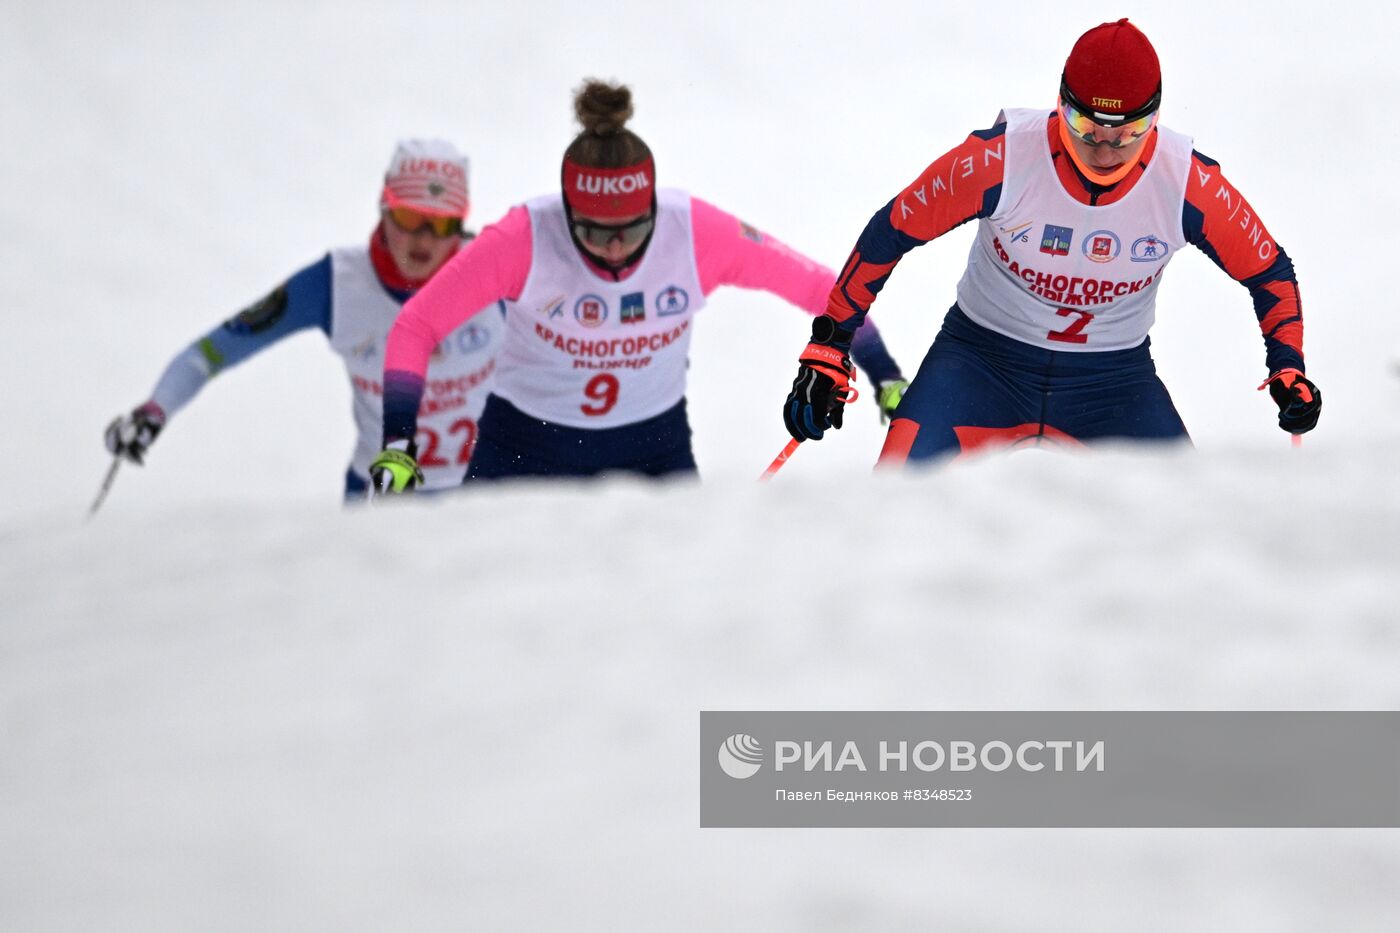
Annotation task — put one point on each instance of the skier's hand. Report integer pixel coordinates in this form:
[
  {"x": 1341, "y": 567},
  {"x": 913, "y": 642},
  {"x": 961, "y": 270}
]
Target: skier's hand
[
  {"x": 395, "y": 469},
  {"x": 889, "y": 395},
  {"x": 1299, "y": 401},
  {"x": 823, "y": 384},
  {"x": 130, "y": 436}
]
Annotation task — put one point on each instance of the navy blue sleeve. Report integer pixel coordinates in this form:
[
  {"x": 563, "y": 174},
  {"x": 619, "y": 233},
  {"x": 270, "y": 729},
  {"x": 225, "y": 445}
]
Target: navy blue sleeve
[
  {"x": 304, "y": 301},
  {"x": 873, "y": 357},
  {"x": 1221, "y": 223},
  {"x": 925, "y": 210}
]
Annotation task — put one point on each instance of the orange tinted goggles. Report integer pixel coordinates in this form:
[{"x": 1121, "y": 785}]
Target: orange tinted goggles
[
  {"x": 1116, "y": 136},
  {"x": 410, "y": 221}
]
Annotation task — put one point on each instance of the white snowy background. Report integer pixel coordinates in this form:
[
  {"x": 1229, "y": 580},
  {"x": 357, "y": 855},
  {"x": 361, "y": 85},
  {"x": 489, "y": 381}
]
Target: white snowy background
[{"x": 227, "y": 704}]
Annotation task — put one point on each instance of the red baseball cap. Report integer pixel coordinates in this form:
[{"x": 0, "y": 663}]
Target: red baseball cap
[{"x": 1112, "y": 74}]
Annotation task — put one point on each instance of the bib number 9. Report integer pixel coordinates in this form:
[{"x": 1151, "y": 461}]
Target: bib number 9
[{"x": 602, "y": 390}]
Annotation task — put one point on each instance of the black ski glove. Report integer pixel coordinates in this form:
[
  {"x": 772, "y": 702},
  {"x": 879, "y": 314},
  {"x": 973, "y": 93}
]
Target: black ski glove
[
  {"x": 1299, "y": 401},
  {"x": 823, "y": 385}
]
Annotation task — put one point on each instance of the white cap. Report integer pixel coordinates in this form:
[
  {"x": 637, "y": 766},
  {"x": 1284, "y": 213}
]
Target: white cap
[{"x": 428, "y": 175}]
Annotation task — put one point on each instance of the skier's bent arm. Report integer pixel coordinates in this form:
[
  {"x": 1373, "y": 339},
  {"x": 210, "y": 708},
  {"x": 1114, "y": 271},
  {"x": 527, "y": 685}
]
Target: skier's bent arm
[
  {"x": 731, "y": 252},
  {"x": 303, "y": 302},
  {"x": 961, "y": 185},
  {"x": 492, "y": 268},
  {"x": 1221, "y": 223}
]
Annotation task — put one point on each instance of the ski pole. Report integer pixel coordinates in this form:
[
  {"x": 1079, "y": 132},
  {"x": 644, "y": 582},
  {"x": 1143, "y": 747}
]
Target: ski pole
[
  {"x": 779, "y": 460},
  {"x": 106, "y": 486},
  {"x": 1297, "y": 442}
]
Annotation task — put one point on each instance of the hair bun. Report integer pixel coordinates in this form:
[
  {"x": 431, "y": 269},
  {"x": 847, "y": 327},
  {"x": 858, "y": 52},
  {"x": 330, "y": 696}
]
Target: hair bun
[{"x": 603, "y": 108}]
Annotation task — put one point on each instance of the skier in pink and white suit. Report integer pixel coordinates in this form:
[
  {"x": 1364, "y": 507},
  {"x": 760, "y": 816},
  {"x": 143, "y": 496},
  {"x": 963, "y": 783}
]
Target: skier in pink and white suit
[{"x": 602, "y": 283}]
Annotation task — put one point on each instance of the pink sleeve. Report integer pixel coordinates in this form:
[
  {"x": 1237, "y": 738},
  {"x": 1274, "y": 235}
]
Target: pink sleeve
[
  {"x": 491, "y": 267},
  {"x": 730, "y": 252}
]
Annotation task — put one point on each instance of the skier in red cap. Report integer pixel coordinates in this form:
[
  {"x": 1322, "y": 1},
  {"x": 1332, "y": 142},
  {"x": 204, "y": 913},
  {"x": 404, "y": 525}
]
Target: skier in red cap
[{"x": 1079, "y": 210}]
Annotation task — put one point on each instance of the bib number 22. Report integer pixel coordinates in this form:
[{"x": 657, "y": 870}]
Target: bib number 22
[{"x": 430, "y": 441}]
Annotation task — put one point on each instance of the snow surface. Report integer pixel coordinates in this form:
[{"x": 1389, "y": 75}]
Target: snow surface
[{"x": 227, "y": 704}]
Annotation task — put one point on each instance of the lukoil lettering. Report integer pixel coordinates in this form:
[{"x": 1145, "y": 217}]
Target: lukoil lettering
[{"x": 625, "y": 184}]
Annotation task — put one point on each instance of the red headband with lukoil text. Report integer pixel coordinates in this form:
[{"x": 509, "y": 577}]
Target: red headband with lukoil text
[{"x": 606, "y": 193}]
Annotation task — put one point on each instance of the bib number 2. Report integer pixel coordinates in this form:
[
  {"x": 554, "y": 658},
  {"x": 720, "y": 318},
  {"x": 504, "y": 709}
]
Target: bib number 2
[
  {"x": 1074, "y": 333},
  {"x": 602, "y": 392}
]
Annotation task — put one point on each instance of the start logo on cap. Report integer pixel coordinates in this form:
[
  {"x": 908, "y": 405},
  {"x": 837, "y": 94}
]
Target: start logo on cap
[
  {"x": 1113, "y": 70},
  {"x": 428, "y": 175}
]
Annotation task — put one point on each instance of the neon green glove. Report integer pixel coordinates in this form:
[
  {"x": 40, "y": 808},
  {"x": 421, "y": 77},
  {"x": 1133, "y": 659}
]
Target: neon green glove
[
  {"x": 395, "y": 470},
  {"x": 889, "y": 396}
]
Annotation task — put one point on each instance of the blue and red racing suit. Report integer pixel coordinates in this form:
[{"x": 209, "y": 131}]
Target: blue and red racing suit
[{"x": 1036, "y": 348}]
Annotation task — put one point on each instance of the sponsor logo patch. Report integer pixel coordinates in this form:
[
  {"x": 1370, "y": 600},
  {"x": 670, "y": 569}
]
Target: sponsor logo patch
[
  {"x": 1149, "y": 249},
  {"x": 259, "y": 317},
  {"x": 366, "y": 349},
  {"x": 1056, "y": 240},
  {"x": 626, "y": 184},
  {"x": 471, "y": 338},
  {"x": 1102, "y": 246},
  {"x": 1018, "y": 234},
  {"x": 591, "y": 311},
  {"x": 466, "y": 339},
  {"x": 672, "y": 300},
  {"x": 553, "y": 308},
  {"x": 634, "y": 308}
]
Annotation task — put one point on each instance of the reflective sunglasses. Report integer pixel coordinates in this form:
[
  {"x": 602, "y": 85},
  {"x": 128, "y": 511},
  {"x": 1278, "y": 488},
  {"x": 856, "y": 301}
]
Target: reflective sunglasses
[
  {"x": 1117, "y": 136},
  {"x": 410, "y": 221},
  {"x": 628, "y": 234}
]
